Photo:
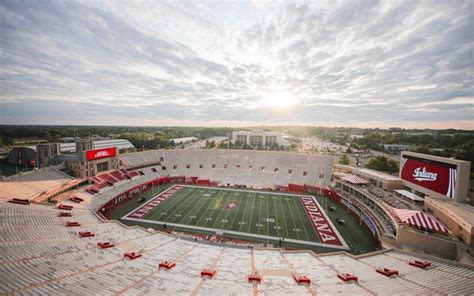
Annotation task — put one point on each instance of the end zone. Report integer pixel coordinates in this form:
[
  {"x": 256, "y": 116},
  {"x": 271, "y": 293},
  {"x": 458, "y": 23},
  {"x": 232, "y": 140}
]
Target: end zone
[
  {"x": 322, "y": 225},
  {"x": 139, "y": 212}
]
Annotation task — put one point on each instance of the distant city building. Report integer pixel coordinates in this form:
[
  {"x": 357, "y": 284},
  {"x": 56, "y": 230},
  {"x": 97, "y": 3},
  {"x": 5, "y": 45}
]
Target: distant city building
[
  {"x": 84, "y": 145},
  {"x": 91, "y": 162},
  {"x": 357, "y": 132},
  {"x": 21, "y": 156},
  {"x": 118, "y": 143},
  {"x": 183, "y": 140},
  {"x": 67, "y": 139},
  {"x": 46, "y": 152},
  {"x": 330, "y": 132},
  {"x": 256, "y": 138},
  {"x": 397, "y": 148}
]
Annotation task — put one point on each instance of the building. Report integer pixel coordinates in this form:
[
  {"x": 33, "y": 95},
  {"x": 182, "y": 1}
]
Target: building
[
  {"x": 184, "y": 140},
  {"x": 458, "y": 217},
  {"x": 382, "y": 180},
  {"x": 330, "y": 132},
  {"x": 84, "y": 145},
  {"x": 21, "y": 156},
  {"x": 397, "y": 148},
  {"x": 120, "y": 144},
  {"x": 89, "y": 163},
  {"x": 46, "y": 152},
  {"x": 258, "y": 138}
]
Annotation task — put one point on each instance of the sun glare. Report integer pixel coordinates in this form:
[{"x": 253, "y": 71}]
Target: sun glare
[{"x": 279, "y": 99}]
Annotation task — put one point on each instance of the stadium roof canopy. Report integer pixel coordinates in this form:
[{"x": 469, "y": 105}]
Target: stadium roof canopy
[
  {"x": 353, "y": 179},
  {"x": 409, "y": 195},
  {"x": 119, "y": 143}
]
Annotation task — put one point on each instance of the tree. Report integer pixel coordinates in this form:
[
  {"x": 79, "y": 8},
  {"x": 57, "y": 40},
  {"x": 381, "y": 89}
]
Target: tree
[
  {"x": 393, "y": 166},
  {"x": 378, "y": 163},
  {"x": 8, "y": 141},
  {"x": 344, "y": 159}
]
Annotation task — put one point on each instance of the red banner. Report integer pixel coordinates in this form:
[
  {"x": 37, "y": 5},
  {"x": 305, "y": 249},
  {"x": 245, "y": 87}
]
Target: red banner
[
  {"x": 101, "y": 153},
  {"x": 432, "y": 176}
]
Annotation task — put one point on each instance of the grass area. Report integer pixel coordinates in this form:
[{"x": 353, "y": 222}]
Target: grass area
[
  {"x": 256, "y": 212},
  {"x": 357, "y": 236}
]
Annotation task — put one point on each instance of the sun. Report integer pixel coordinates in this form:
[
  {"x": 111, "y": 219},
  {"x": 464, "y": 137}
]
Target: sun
[{"x": 278, "y": 99}]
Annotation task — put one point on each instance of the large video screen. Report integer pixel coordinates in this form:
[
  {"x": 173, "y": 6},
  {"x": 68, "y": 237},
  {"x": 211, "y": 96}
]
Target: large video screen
[
  {"x": 101, "y": 153},
  {"x": 436, "y": 176}
]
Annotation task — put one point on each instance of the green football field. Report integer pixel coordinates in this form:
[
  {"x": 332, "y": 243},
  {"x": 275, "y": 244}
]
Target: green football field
[
  {"x": 243, "y": 212},
  {"x": 357, "y": 237}
]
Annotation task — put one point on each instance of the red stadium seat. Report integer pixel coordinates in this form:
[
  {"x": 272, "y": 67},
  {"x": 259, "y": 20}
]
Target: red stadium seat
[
  {"x": 72, "y": 224},
  {"x": 347, "y": 277},
  {"x": 420, "y": 264},
  {"x": 255, "y": 278},
  {"x": 76, "y": 199},
  {"x": 65, "y": 207},
  {"x": 132, "y": 255},
  {"x": 166, "y": 265},
  {"x": 208, "y": 273},
  {"x": 20, "y": 201},
  {"x": 387, "y": 272},
  {"x": 86, "y": 234},
  {"x": 302, "y": 279},
  {"x": 105, "y": 245}
]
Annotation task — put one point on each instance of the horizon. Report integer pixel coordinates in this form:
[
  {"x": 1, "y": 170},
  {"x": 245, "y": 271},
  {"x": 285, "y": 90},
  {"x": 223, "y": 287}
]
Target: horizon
[
  {"x": 228, "y": 127},
  {"x": 360, "y": 64}
]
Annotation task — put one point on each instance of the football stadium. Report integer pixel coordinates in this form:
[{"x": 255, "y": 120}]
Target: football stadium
[
  {"x": 250, "y": 147},
  {"x": 178, "y": 222}
]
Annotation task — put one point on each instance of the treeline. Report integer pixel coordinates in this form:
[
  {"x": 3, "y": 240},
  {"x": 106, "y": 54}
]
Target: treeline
[{"x": 146, "y": 137}]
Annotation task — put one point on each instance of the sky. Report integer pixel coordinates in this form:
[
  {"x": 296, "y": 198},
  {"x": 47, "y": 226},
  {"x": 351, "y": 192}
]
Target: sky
[{"x": 398, "y": 63}]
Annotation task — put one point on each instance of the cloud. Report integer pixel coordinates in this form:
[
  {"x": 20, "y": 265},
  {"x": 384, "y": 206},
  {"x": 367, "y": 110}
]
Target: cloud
[{"x": 376, "y": 63}]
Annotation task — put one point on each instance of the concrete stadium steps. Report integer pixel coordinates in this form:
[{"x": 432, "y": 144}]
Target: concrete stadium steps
[
  {"x": 238, "y": 166},
  {"x": 40, "y": 256}
]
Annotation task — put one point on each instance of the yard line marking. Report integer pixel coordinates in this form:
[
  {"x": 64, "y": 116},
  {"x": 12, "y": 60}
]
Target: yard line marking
[
  {"x": 276, "y": 226},
  {"x": 302, "y": 222}
]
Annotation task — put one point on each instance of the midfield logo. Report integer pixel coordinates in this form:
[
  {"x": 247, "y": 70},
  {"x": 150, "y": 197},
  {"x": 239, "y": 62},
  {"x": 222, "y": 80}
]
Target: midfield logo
[
  {"x": 423, "y": 175},
  {"x": 231, "y": 204}
]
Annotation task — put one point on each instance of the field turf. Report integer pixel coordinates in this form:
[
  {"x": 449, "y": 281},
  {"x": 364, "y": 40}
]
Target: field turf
[
  {"x": 255, "y": 212},
  {"x": 205, "y": 207}
]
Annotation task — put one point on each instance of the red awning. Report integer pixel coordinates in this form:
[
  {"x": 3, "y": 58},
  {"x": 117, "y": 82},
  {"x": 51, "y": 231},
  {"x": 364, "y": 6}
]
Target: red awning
[{"x": 420, "y": 219}]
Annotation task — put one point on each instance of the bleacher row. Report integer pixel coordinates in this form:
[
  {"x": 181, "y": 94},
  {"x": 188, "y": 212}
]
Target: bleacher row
[
  {"x": 109, "y": 179},
  {"x": 259, "y": 169},
  {"x": 34, "y": 184},
  {"x": 92, "y": 199},
  {"x": 40, "y": 255}
]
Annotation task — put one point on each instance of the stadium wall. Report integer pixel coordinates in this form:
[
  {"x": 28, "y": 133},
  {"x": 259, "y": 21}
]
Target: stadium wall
[{"x": 429, "y": 244}]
